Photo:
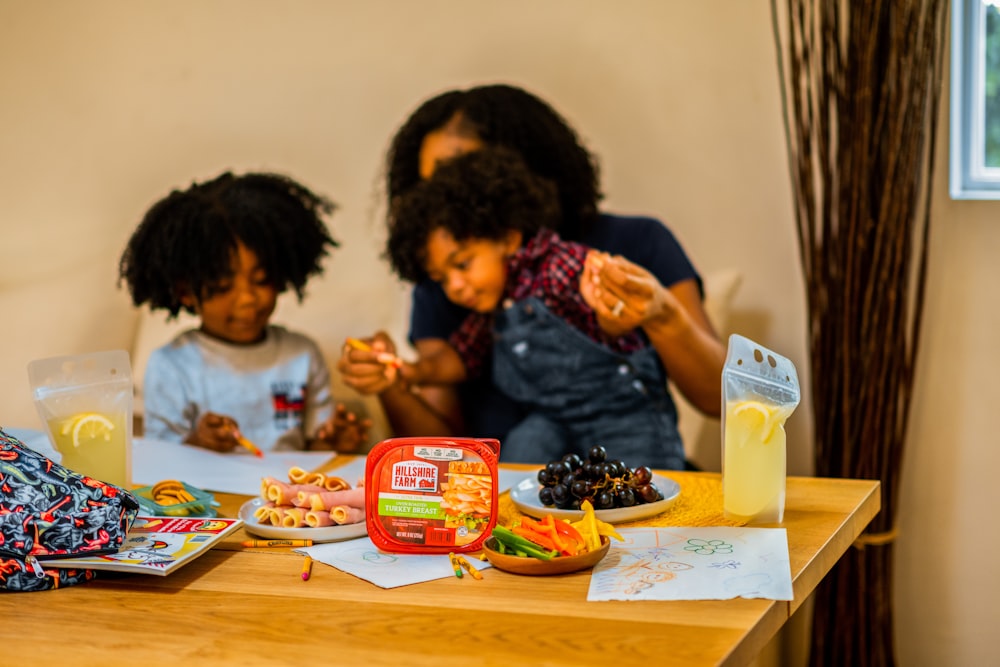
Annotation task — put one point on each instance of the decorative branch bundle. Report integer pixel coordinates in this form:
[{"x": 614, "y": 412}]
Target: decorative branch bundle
[{"x": 860, "y": 97}]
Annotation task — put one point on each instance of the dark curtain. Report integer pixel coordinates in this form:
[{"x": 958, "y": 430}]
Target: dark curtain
[{"x": 861, "y": 83}]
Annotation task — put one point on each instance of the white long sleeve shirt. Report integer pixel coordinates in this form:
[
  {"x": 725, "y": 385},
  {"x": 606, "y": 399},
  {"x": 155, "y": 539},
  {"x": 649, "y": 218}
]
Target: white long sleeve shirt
[{"x": 278, "y": 390}]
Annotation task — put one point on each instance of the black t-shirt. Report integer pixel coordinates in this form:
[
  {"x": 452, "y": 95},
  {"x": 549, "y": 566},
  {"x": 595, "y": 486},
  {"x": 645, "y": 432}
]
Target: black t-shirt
[{"x": 642, "y": 240}]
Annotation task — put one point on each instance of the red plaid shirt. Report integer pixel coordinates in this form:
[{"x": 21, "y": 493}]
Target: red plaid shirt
[{"x": 549, "y": 269}]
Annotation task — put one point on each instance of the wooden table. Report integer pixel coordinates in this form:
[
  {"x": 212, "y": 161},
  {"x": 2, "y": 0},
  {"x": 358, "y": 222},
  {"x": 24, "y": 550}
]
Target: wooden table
[{"x": 250, "y": 607}]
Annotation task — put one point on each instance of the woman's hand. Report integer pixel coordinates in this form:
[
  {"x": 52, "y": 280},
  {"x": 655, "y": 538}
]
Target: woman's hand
[
  {"x": 624, "y": 295},
  {"x": 215, "y": 432},
  {"x": 343, "y": 432},
  {"x": 366, "y": 371}
]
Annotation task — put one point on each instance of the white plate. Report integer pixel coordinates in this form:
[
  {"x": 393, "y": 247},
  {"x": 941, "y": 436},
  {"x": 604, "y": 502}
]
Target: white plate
[
  {"x": 525, "y": 497},
  {"x": 346, "y": 531}
]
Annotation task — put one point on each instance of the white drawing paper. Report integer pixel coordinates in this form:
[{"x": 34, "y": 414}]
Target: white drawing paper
[
  {"x": 232, "y": 472},
  {"x": 364, "y": 560}
]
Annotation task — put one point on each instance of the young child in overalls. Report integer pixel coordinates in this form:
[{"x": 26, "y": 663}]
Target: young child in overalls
[{"x": 481, "y": 226}]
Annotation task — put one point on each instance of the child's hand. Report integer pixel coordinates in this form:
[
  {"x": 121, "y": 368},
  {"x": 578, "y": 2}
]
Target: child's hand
[
  {"x": 215, "y": 432},
  {"x": 366, "y": 371},
  {"x": 343, "y": 432}
]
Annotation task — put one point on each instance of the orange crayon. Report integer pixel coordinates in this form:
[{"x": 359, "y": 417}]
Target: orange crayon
[{"x": 249, "y": 445}]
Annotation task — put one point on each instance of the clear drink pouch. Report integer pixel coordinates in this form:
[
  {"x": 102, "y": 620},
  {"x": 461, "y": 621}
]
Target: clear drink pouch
[
  {"x": 85, "y": 403},
  {"x": 760, "y": 390}
]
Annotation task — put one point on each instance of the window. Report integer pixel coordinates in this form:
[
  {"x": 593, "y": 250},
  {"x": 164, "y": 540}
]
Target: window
[{"x": 975, "y": 100}]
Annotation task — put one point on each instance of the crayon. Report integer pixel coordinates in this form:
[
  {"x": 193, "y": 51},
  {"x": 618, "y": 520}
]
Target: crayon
[
  {"x": 277, "y": 543},
  {"x": 359, "y": 345},
  {"x": 468, "y": 566},
  {"x": 455, "y": 565},
  {"x": 384, "y": 358},
  {"x": 307, "y": 567},
  {"x": 249, "y": 445}
]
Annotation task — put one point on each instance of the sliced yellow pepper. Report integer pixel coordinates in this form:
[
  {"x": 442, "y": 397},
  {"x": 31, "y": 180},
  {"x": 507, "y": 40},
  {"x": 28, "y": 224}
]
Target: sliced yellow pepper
[
  {"x": 604, "y": 528},
  {"x": 588, "y": 528},
  {"x": 593, "y": 528}
]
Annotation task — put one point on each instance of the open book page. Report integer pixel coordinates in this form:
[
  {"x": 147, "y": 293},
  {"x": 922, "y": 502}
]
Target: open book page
[{"x": 156, "y": 545}]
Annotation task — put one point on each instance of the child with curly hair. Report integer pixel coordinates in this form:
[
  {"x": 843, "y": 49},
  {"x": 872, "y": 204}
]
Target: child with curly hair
[
  {"x": 482, "y": 227},
  {"x": 224, "y": 250}
]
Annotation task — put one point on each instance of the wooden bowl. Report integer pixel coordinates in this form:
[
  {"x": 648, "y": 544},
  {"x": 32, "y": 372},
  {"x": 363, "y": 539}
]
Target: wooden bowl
[{"x": 535, "y": 566}]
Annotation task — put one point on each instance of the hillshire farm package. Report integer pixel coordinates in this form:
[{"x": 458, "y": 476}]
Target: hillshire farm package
[{"x": 431, "y": 495}]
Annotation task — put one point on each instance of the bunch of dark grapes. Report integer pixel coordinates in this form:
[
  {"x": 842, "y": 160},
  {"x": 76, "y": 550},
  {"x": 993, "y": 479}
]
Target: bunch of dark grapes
[{"x": 606, "y": 483}]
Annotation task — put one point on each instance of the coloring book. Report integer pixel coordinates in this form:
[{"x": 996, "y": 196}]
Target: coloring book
[{"x": 156, "y": 545}]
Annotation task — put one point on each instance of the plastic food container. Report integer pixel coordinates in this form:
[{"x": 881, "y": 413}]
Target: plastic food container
[
  {"x": 204, "y": 503},
  {"x": 431, "y": 495}
]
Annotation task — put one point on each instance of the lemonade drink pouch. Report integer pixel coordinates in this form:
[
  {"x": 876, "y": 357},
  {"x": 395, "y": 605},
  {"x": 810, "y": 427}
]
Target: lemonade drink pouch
[
  {"x": 760, "y": 390},
  {"x": 85, "y": 402}
]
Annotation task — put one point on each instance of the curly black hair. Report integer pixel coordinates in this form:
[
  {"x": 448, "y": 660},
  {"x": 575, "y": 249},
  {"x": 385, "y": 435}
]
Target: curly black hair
[
  {"x": 507, "y": 116},
  {"x": 479, "y": 195},
  {"x": 186, "y": 241}
]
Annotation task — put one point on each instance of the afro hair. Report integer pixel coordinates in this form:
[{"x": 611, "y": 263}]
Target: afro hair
[
  {"x": 186, "y": 241},
  {"x": 480, "y": 195}
]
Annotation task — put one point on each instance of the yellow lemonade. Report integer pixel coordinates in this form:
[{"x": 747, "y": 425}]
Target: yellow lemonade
[
  {"x": 95, "y": 444},
  {"x": 753, "y": 464}
]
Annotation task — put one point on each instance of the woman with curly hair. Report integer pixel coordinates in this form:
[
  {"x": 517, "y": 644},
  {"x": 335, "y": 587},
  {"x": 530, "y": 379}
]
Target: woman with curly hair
[
  {"x": 224, "y": 250},
  {"x": 651, "y": 287}
]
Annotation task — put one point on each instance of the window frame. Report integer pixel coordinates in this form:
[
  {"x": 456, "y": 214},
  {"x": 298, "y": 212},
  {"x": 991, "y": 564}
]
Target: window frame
[{"x": 970, "y": 178}]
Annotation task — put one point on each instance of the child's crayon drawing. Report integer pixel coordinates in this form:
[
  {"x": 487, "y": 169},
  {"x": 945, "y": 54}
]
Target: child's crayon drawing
[{"x": 716, "y": 563}]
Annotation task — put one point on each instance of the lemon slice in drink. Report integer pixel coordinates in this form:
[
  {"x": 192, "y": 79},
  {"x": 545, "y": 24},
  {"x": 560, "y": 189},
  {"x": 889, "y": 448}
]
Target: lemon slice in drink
[
  {"x": 757, "y": 417},
  {"x": 88, "y": 426}
]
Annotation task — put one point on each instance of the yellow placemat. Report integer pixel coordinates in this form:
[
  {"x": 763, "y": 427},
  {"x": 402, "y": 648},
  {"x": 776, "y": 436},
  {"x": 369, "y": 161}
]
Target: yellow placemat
[{"x": 699, "y": 504}]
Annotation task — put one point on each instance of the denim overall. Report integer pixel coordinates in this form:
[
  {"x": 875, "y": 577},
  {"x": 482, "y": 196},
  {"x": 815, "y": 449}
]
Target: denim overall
[{"x": 580, "y": 393}]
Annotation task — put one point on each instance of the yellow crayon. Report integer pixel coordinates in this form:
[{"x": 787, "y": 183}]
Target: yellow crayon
[
  {"x": 277, "y": 543},
  {"x": 359, "y": 345},
  {"x": 468, "y": 566},
  {"x": 385, "y": 358},
  {"x": 307, "y": 567},
  {"x": 455, "y": 565}
]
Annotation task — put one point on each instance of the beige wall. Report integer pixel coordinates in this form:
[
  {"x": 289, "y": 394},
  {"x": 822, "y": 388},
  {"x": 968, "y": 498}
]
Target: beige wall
[{"x": 108, "y": 104}]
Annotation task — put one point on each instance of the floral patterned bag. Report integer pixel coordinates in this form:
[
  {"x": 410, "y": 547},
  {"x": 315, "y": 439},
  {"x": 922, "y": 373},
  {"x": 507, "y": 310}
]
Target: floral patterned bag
[{"x": 49, "y": 510}]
